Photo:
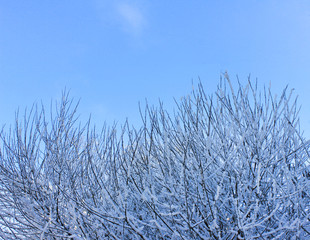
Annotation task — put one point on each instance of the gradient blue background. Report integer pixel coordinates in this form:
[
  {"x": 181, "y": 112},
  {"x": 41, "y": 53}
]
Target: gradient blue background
[{"x": 114, "y": 54}]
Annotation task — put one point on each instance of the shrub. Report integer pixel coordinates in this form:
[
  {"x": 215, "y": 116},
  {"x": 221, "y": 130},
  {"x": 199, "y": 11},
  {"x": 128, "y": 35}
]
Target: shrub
[{"x": 232, "y": 166}]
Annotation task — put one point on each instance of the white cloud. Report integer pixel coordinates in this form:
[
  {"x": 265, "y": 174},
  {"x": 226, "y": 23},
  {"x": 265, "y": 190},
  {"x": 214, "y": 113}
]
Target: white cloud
[
  {"x": 128, "y": 15},
  {"x": 131, "y": 17}
]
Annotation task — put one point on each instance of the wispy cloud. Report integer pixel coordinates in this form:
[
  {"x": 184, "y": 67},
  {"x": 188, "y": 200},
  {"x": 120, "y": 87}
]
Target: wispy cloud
[
  {"x": 131, "y": 17},
  {"x": 128, "y": 15}
]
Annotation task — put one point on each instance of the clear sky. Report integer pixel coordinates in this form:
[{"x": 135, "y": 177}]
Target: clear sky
[{"x": 114, "y": 54}]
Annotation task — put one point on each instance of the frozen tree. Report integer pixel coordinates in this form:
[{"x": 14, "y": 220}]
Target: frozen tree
[{"x": 229, "y": 166}]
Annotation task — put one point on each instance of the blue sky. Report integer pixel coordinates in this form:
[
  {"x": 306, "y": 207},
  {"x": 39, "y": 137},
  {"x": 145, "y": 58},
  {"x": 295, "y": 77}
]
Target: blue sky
[{"x": 114, "y": 54}]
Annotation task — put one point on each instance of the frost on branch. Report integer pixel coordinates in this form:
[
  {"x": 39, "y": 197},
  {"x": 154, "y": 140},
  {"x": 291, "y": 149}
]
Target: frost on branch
[{"x": 231, "y": 166}]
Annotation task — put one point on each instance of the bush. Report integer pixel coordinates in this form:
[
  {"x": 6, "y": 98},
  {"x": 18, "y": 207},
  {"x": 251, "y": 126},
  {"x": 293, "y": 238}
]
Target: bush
[{"x": 232, "y": 166}]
